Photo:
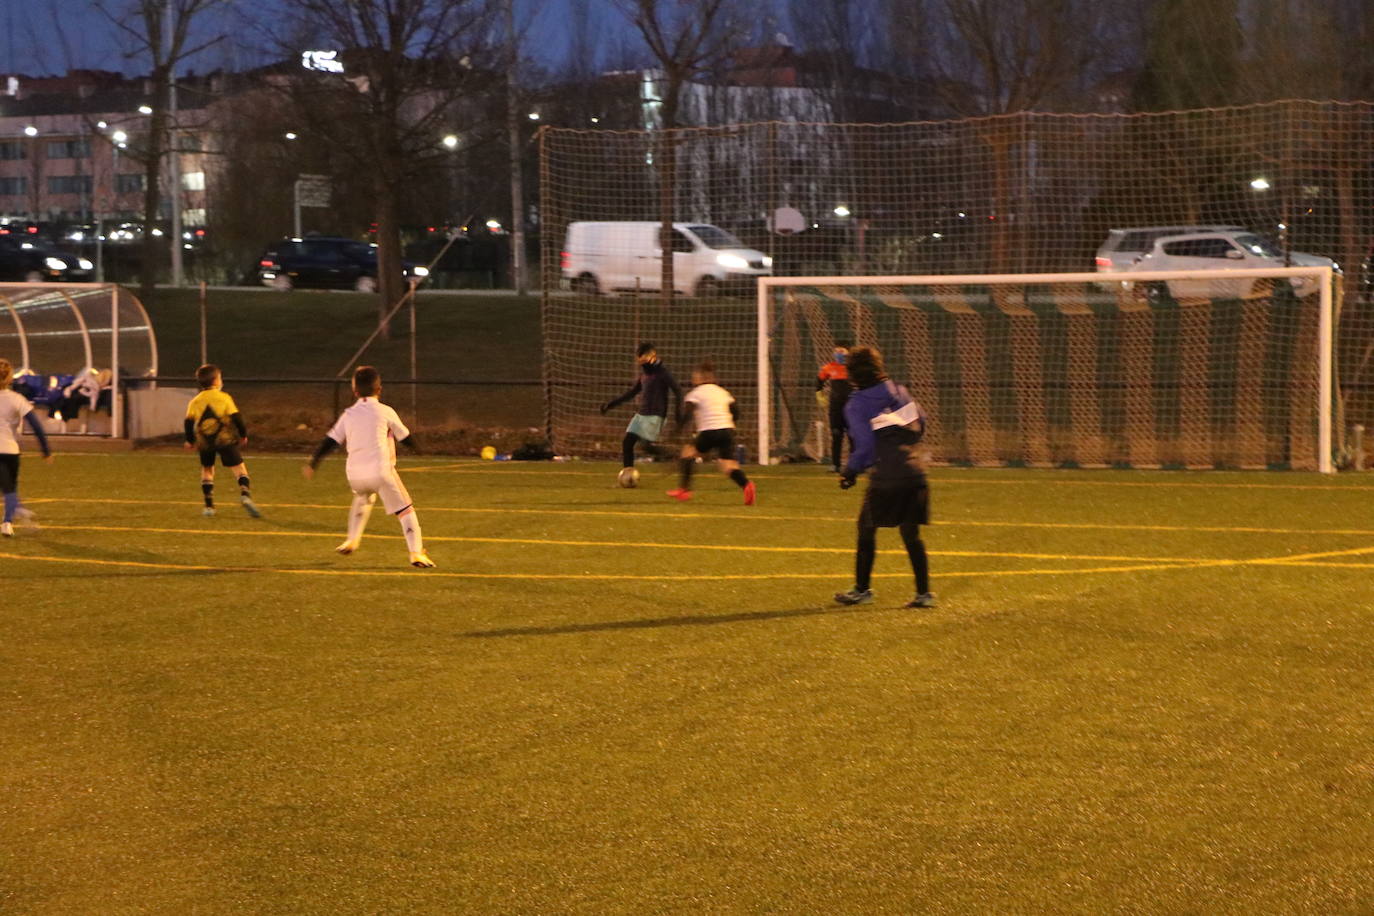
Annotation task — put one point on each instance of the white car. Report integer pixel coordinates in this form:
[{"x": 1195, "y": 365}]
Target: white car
[
  {"x": 1228, "y": 250},
  {"x": 1124, "y": 247}
]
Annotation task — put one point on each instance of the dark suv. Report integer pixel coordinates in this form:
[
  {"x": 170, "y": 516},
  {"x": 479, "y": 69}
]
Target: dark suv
[
  {"x": 29, "y": 259},
  {"x": 322, "y": 262}
]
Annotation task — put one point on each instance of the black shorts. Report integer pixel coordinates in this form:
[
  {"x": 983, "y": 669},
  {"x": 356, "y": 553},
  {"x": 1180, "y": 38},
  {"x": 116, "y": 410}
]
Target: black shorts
[
  {"x": 720, "y": 441},
  {"x": 228, "y": 455},
  {"x": 9, "y": 473},
  {"x": 891, "y": 506}
]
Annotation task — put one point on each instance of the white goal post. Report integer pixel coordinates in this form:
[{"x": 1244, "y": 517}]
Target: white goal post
[{"x": 1179, "y": 369}]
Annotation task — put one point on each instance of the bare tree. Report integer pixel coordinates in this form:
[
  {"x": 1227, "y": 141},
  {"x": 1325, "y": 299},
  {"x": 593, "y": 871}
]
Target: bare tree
[
  {"x": 410, "y": 70},
  {"x": 162, "y": 33},
  {"x": 999, "y": 57},
  {"x": 689, "y": 39}
]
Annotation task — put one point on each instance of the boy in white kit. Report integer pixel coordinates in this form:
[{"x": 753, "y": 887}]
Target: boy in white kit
[
  {"x": 714, "y": 411},
  {"x": 369, "y": 430}
]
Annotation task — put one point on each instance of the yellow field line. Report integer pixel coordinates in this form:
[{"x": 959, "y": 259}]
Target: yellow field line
[
  {"x": 743, "y": 516},
  {"x": 1301, "y": 558},
  {"x": 591, "y": 577},
  {"x": 935, "y": 476},
  {"x": 550, "y": 542},
  {"x": 1029, "y": 475}
]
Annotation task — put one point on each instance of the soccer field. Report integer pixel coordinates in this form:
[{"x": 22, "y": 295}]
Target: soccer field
[{"x": 1141, "y": 692}]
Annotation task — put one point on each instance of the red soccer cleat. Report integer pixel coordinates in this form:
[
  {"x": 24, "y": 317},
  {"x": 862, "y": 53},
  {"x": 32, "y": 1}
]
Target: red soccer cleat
[
  {"x": 680, "y": 494},
  {"x": 749, "y": 494}
]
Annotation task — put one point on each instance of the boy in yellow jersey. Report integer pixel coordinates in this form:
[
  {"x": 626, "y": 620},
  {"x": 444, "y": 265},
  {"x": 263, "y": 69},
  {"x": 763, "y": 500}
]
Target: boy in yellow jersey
[{"x": 214, "y": 427}]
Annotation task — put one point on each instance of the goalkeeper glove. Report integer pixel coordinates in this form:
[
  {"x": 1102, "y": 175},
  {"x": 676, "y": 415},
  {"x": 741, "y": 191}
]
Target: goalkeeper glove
[
  {"x": 822, "y": 399},
  {"x": 848, "y": 479}
]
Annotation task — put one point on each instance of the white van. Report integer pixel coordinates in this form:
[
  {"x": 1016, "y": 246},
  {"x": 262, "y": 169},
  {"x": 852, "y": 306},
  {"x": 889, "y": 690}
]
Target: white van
[{"x": 605, "y": 257}]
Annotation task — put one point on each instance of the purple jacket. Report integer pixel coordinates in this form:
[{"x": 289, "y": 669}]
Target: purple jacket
[{"x": 886, "y": 425}]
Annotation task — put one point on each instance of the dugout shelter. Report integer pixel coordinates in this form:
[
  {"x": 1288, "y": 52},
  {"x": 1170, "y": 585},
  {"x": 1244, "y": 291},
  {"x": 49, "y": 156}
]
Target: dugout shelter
[{"x": 52, "y": 333}]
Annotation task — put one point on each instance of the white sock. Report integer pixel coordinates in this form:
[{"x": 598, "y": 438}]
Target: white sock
[
  {"x": 357, "y": 516},
  {"x": 410, "y": 525}
]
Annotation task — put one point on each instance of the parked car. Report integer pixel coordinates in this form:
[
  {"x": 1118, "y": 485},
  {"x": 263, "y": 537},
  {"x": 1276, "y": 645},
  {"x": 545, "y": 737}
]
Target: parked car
[
  {"x": 28, "y": 259},
  {"x": 603, "y": 257},
  {"x": 1228, "y": 250},
  {"x": 1124, "y": 247},
  {"x": 322, "y": 262}
]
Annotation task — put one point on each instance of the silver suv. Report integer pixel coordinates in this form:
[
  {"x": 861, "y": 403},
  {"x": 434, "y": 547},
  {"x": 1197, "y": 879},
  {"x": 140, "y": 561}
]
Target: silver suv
[
  {"x": 1124, "y": 247},
  {"x": 1229, "y": 249}
]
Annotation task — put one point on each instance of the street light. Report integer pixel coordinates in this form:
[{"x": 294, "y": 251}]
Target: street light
[
  {"x": 30, "y": 131},
  {"x": 145, "y": 109},
  {"x": 290, "y": 135},
  {"x": 1260, "y": 184},
  {"x": 841, "y": 211},
  {"x": 450, "y": 141},
  {"x": 534, "y": 116}
]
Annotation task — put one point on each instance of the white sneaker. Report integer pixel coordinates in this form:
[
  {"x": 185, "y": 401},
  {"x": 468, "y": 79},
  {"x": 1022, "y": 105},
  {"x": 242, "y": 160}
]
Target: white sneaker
[
  {"x": 27, "y": 517},
  {"x": 208, "y": 512},
  {"x": 421, "y": 560},
  {"x": 6, "y": 530},
  {"x": 347, "y": 547}
]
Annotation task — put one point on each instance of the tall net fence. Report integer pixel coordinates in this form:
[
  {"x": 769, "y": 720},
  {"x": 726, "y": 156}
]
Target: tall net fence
[{"x": 1012, "y": 194}]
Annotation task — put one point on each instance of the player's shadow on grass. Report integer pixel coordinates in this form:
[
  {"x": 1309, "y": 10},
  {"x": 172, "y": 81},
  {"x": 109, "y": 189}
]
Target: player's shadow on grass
[{"x": 679, "y": 621}]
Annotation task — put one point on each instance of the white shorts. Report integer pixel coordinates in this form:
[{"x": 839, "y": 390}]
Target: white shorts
[{"x": 388, "y": 486}]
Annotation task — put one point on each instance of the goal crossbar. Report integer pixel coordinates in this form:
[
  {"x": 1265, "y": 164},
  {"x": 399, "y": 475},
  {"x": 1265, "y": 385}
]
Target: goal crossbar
[{"x": 1323, "y": 275}]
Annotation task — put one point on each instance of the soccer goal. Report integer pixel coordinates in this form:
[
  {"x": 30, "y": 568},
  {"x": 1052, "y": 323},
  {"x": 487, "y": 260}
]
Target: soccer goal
[{"x": 1212, "y": 369}]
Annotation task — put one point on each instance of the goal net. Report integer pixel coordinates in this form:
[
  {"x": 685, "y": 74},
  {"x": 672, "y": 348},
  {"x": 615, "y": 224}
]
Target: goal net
[{"x": 1167, "y": 370}]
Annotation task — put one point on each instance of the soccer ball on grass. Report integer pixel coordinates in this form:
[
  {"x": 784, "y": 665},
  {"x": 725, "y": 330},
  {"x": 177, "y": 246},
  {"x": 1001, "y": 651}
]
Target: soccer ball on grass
[{"x": 628, "y": 478}]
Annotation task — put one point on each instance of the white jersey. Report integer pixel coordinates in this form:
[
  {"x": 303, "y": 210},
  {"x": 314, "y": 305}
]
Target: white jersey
[
  {"x": 13, "y": 407},
  {"x": 711, "y": 407},
  {"x": 369, "y": 430}
]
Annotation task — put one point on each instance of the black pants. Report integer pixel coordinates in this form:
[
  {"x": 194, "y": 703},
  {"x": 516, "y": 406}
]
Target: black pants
[
  {"x": 839, "y": 432},
  {"x": 9, "y": 473},
  {"x": 914, "y": 509}
]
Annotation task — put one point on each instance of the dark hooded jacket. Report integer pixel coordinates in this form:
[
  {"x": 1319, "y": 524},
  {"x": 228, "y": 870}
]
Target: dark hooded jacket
[{"x": 887, "y": 426}]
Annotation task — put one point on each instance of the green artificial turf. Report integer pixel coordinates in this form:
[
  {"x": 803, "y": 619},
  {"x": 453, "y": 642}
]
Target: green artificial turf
[{"x": 1141, "y": 692}]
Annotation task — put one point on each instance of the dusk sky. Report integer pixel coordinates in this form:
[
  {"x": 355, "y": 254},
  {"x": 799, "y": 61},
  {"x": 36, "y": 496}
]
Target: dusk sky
[{"x": 56, "y": 35}]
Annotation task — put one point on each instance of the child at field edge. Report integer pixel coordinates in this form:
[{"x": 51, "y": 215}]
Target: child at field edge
[
  {"x": 215, "y": 428},
  {"x": 14, "y": 408},
  {"x": 369, "y": 430},
  {"x": 715, "y": 412},
  {"x": 832, "y": 393}
]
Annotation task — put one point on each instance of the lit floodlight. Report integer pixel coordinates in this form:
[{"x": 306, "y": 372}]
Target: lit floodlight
[
  {"x": 30, "y": 131},
  {"x": 290, "y": 135},
  {"x": 494, "y": 225},
  {"x": 534, "y": 116},
  {"x": 1260, "y": 184},
  {"x": 450, "y": 141},
  {"x": 119, "y": 137},
  {"x": 322, "y": 61},
  {"x": 841, "y": 211},
  {"x": 145, "y": 109}
]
